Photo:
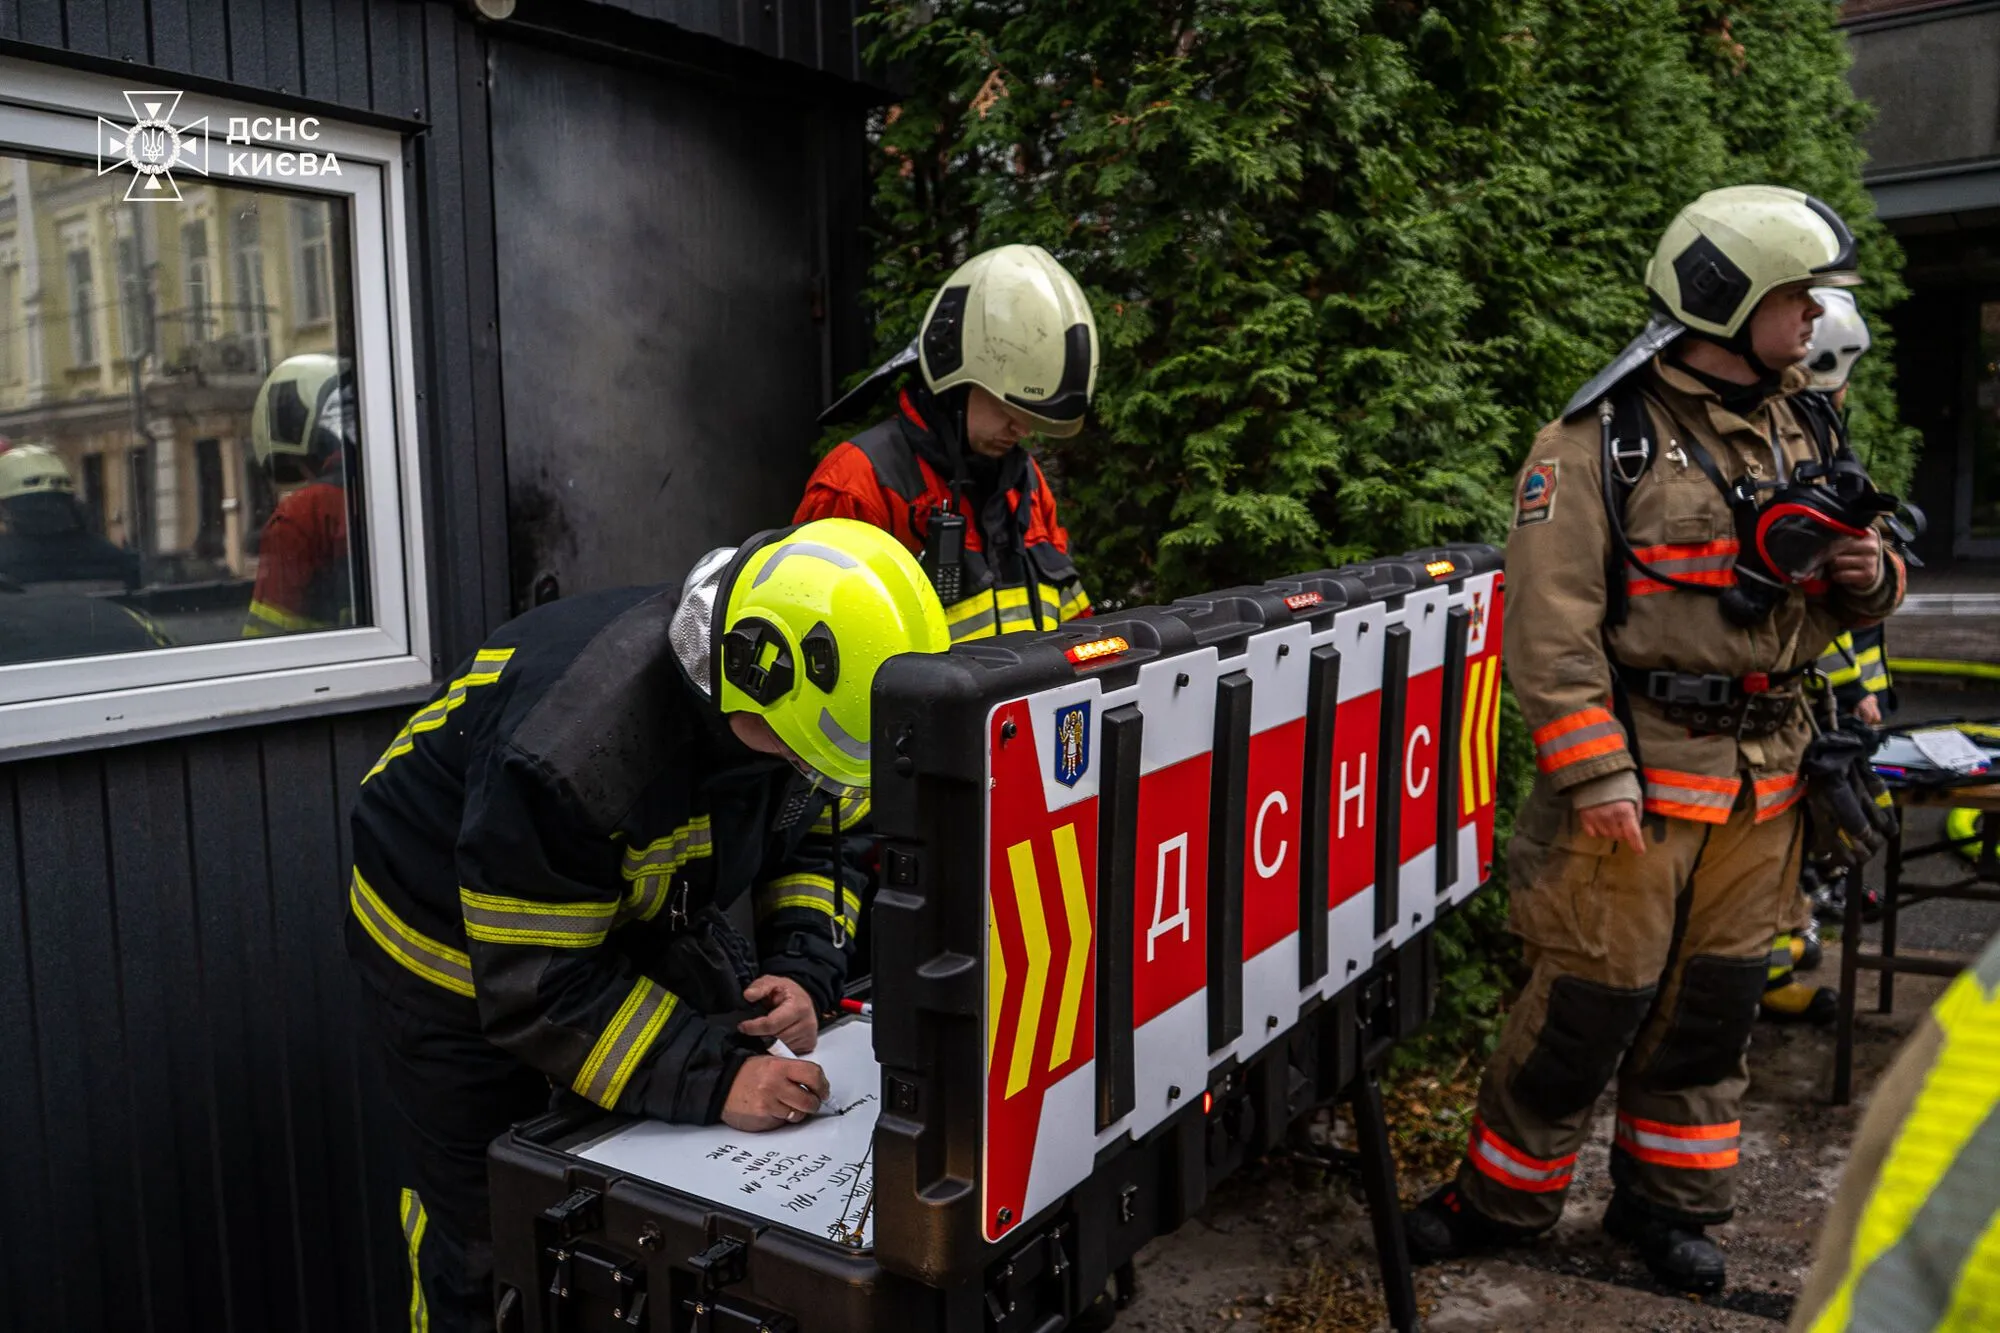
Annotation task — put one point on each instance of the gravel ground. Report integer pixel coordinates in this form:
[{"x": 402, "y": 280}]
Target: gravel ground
[{"x": 1284, "y": 1247}]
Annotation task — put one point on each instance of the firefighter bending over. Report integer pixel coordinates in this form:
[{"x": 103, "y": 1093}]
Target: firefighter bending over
[
  {"x": 1007, "y": 350},
  {"x": 1686, "y": 541},
  {"x": 543, "y": 857}
]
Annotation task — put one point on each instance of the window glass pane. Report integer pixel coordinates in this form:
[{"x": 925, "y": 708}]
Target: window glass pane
[
  {"x": 1986, "y": 428},
  {"x": 200, "y": 484}
]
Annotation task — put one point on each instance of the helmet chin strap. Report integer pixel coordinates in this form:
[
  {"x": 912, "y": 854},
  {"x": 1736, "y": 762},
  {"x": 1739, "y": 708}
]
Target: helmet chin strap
[
  {"x": 1740, "y": 343},
  {"x": 1736, "y": 397}
]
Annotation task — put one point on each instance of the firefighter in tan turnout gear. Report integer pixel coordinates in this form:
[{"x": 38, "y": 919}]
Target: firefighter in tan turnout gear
[{"x": 1686, "y": 541}]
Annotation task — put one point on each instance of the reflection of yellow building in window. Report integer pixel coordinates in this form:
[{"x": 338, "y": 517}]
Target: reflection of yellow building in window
[{"x": 133, "y": 337}]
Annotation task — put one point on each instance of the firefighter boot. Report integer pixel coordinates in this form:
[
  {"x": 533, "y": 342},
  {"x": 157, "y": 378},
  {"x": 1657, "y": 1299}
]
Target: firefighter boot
[
  {"x": 1447, "y": 1226},
  {"x": 1787, "y": 999},
  {"x": 1679, "y": 1253}
]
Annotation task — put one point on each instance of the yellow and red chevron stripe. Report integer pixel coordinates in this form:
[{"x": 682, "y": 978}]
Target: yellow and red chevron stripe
[
  {"x": 1040, "y": 928},
  {"x": 1479, "y": 734},
  {"x": 1035, "y": 950}
]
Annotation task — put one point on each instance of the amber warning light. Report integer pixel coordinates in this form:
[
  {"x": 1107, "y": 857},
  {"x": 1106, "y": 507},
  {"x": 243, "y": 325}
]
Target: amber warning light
[
  {"x": 1096, "y": 650},
  {"x": 1303, "y": 601},
  {"x": 1437, "y": 569}
]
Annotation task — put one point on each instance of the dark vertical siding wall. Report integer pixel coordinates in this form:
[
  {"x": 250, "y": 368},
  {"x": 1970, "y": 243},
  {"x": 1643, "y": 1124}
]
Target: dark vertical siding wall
[
  {"x": 816, "y": 33},
  {"x": 189, "y": 1135}
]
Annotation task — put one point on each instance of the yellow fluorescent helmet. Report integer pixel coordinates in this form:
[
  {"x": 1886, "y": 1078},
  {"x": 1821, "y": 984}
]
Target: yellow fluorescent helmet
[
  {"x": 808, "y": 619},
  {"x": 33, "y": 469},
  {"x": 1013, "y": 321},
  {"x": 1732, "y": 247}
]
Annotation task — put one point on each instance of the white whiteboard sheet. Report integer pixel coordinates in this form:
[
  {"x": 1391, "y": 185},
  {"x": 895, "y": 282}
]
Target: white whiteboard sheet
[{"x": 817, "y": 1176}]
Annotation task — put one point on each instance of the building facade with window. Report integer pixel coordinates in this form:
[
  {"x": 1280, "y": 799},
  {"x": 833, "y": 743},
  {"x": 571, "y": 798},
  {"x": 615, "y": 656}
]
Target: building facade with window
[
  {"x": 478, "y": 413},
  {"x": 1931, "y": 68}
]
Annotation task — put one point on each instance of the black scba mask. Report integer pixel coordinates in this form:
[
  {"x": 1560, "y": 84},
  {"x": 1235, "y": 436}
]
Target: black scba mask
[{"x": 1786, "y": 531}]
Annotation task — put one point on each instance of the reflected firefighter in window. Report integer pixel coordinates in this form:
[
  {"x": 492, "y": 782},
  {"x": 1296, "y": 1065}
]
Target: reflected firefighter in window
[
  {"x": 45, "y": 536},
  {"x": 1007, "y": 350},
  {"x": 303, "y": 431}
]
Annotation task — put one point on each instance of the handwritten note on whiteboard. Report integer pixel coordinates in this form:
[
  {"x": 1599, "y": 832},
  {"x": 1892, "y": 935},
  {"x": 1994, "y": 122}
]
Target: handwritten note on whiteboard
[{"x": 817, "y": 1176}]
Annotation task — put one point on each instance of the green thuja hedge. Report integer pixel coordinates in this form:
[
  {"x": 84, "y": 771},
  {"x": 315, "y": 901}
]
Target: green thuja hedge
[{"x": 1346, "y": 256}]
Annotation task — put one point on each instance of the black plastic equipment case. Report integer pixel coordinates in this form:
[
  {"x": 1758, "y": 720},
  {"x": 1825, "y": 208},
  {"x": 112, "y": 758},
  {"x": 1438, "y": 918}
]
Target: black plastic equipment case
[{"x": 579, "y": 1248}]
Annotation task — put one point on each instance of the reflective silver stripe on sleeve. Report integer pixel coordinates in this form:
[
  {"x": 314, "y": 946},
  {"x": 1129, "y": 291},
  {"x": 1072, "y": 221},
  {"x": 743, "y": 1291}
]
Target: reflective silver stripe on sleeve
[
  {"x": 496, "y": 920},
  {"x": 437, "y": 963},
  {"x": 624, "y": 1042},
  {"x": 1569, "y": 740},
  {"x": 689, "y": 842}
]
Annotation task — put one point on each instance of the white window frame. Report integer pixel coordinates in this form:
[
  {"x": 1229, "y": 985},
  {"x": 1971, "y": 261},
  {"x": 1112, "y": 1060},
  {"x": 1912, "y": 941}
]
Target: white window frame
[{"x": 69, "y": 702}]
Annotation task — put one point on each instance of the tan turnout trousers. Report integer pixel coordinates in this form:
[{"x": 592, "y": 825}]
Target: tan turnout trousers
[{"x": 1647, "y": 967}]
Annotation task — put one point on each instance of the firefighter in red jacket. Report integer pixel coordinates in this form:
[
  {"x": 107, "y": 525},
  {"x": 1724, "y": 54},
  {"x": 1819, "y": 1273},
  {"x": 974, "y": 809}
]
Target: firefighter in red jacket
[
  {"x": 1007, "y": 350},
  {"x": 302, "y": 431}
]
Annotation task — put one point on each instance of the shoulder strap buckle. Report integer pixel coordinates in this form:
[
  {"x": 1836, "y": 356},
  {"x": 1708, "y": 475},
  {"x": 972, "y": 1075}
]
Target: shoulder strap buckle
[
  {"x": 1628, "y": 462},
  {"x": 1625, "y": 420}
]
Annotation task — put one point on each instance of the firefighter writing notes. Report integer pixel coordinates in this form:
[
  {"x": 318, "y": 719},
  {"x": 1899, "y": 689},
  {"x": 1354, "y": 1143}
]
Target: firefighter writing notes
[{"x": 816, "y": 1176}]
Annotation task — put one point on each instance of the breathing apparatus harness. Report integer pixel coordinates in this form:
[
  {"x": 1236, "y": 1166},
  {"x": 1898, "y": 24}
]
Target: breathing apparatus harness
[
  {"x": 1784, "y": 529},
  {"x": 945, "y": 554},
  {"x": 943, "y": 557}
]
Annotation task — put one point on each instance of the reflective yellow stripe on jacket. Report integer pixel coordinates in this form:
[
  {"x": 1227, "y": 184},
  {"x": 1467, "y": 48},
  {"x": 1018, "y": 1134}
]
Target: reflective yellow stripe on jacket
[
  {"x": 650, "y": 870},
  {"x": 415, "y": 1222},
  {"x": 1004, "y": 610},
  {"x": 815, "y": 893},
  {"x": 486, "y": 667},
  {"x": 623, "y": 1044},
  {"x": 493, "y": 919},
  {"x": 853, "y": 807},
  {"x": 265, "y": 620},
  {"x": 1843, "y": 666},
  {"x": 1926, "y": 1253},
  {"x": 435, "y": 962}
]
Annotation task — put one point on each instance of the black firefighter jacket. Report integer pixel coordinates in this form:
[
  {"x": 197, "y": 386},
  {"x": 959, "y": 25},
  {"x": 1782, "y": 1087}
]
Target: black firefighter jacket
[{"x": 542, "y": 852}]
